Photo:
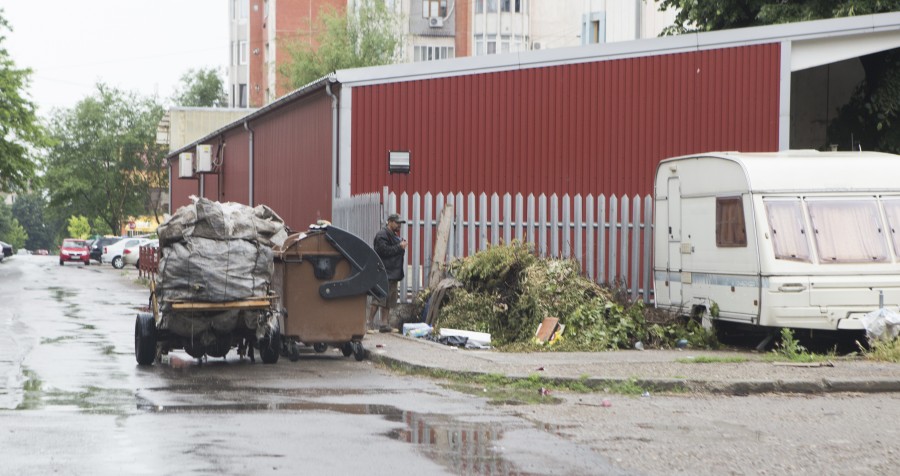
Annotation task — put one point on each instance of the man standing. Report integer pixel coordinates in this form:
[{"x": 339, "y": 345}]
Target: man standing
[{"x": 391, "y": 248}]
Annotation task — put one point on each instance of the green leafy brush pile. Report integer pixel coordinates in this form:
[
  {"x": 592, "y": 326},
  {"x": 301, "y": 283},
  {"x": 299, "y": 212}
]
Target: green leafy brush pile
[{"x": 507, "y": 291}]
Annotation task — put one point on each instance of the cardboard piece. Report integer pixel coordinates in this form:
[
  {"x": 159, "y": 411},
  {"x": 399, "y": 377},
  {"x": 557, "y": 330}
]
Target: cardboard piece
[{"x": 546, "y": 329}]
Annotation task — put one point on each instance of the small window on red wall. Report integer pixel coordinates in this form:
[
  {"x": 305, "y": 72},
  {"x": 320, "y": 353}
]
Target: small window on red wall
[{"x": 730, "y": 229}]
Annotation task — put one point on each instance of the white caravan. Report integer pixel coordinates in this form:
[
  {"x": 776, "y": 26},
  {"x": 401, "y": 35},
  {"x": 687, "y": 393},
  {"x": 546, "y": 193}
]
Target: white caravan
[{"x": 798, "y": 239}]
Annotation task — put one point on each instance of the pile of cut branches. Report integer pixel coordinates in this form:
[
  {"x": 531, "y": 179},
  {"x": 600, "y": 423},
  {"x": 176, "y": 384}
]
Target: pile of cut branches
[{"x": 507, "y": 291}]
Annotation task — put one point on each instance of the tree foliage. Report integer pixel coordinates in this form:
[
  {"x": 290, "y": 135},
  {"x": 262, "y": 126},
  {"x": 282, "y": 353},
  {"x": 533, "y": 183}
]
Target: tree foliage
[
  {"x": 104, "y": 161},
  {"x": 367, "y": 36},
  {"x": 29, "y": 210},
  {"x": 201, "y": 87},
  {"x": 871, "y": 115},
  {"x": 10, "y": 230},
  {"x": 20, "y": 130},
  {"x": 79, "y": 227},
  {"x": 710, "y": 15}
]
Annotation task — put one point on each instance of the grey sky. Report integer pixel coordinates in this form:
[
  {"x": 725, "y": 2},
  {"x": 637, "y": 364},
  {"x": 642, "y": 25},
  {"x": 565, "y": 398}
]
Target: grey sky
[{"x": 137, "y": 45}]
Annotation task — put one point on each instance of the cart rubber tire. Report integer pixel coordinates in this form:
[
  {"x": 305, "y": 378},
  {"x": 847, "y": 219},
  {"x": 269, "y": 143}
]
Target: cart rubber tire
[
  {"x": 270, "y": 348},
  {"x": 320, "y": 347},
  {"x": 118, "y": 262},
  {"x": 144, "y": 339},
  {"x": 347, "y": 349},
  {"x": 359, "y": 352}
]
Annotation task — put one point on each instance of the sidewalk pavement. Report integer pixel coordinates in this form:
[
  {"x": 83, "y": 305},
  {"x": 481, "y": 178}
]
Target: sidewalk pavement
[{"x": 657, "y": 370}]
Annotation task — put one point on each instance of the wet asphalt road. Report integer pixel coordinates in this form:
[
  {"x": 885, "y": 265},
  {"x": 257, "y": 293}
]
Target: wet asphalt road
[{"x": 73, "y": 401}]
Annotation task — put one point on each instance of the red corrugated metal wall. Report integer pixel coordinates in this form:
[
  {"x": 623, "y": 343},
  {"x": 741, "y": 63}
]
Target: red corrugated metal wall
[
  {"x": 293, "y": 161},
  {"x": 594, "y": 128},
  {"x": 233, "y": 173},
  {"x": 181, "y": 188}
]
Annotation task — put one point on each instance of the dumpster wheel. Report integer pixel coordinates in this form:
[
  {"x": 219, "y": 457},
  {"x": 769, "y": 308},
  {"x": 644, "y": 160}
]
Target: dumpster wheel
[
  {"x": 359, "y": 352},
  {"x": 320, "y": 347},
  {"x": 347, "y": 349}
]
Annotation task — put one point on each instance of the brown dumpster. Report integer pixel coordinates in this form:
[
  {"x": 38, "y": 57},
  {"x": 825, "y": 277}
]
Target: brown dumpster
[{"x": 323, "y": 276}]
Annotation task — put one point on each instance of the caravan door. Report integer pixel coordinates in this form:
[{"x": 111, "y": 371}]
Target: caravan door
[{"x": 673, "y": 271}]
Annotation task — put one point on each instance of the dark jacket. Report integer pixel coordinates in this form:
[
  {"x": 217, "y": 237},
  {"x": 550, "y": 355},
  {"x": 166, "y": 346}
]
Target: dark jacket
[{"x": 387, "y": 245}]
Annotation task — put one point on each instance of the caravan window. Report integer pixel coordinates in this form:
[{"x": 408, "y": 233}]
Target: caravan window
[
  {"x": 847, "y": 231},
  {"x": 788, "y": 229},
  {"x": 730, "y": 230},
  {"x": 892, "y": 212}
]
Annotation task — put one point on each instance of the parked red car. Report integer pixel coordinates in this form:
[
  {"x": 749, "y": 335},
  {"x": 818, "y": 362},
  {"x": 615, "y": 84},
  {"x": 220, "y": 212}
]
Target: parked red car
[{"x": 74, "y": 250}]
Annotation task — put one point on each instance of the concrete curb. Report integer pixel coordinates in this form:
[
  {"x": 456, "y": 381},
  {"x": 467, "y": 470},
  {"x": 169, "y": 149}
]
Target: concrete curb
[{"x": 735, "y": 387}]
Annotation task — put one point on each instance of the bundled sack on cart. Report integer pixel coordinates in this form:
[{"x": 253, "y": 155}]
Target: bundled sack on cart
[{"x": 217, "y": 252}]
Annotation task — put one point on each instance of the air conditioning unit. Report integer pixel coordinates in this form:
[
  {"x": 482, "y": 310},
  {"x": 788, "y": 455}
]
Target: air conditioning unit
[
  {"x": 436, "y": 22},
  {"x": 204, "y": 158},
  {"x": 185, "y": 165}
]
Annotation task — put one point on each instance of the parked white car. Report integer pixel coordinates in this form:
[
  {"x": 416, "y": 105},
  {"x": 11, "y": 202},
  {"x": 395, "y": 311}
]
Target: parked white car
[
  {"x": 132, "y": 255},
  {"x": 114, "y": 253}
]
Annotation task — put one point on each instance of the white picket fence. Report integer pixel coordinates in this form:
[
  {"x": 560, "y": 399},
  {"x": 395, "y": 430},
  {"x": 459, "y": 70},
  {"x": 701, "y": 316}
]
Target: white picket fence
[{"x": 611, "y": 238}]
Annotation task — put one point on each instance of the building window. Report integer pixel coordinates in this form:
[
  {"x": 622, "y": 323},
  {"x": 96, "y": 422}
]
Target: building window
[
  {"x": 243, "y": 52},
  {"x": 595, "y": 31},
  {"x": 492, "y": 46},
  {"x": 479, "y": 6},
  {"x": 245, "y": 8},
  {"x": 492, "y": 6},
  {"x": 730, "y": 230},
  {"x": 505, "y": 5},
  {"x": 519, "y": 6},
  {"x": 431, "y": 53},
  {"x": 434, "y": 8},
  {"x": 242, "y": 91}
]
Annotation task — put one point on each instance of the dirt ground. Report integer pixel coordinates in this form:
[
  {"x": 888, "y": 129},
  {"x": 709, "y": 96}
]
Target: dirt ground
[{"x": 715, "y": 435}]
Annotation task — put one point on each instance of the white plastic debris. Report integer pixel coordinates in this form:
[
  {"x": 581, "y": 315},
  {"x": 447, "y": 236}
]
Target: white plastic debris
[{"x": 882, "y": 324}]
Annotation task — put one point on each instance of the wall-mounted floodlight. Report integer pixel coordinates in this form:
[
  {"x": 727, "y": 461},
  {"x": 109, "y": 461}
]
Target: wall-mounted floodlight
[{"x": 398, "y": 162}]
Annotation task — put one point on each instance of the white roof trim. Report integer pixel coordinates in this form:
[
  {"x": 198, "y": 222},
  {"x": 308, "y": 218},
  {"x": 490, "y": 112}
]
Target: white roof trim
[
  {"x": 831, "y": 32},
  {"x": 812, "y": 53}
]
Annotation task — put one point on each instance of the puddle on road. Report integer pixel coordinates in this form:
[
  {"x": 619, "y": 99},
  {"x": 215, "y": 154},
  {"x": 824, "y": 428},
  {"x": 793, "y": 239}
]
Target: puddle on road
[
  {"x": 61, "y": 294},
  {"x": 89, "y": 399},
  {"x": 461, "y": 447}
]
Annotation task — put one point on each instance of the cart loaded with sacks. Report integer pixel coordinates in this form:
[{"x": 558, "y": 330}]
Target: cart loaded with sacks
[{"x": 218, "y": 287}]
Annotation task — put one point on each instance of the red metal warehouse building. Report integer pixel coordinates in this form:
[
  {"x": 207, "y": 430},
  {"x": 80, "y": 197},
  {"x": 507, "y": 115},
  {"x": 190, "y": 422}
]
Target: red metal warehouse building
[{"x": 587, "y": 120}]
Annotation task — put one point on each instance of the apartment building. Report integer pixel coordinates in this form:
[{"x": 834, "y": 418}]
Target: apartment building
[{"x": 431, "y": 30}]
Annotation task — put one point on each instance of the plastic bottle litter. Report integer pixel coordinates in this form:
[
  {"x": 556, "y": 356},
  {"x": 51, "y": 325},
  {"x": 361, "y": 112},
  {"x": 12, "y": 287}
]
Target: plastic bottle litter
[
  {"x": 639, "y": 345},
  {"x": 605, "y": 403},
  {"x": 645, "y": 394},
  {"x": 681, "y": 344}
]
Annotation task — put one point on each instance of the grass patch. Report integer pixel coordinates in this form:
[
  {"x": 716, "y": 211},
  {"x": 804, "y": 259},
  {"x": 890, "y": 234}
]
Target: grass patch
[
  {"x": 884, "y": 351},
  {"x": 702, "y": 359},
  {"x": 534, "y": 389},
  {"x": 789, "y": 349}
]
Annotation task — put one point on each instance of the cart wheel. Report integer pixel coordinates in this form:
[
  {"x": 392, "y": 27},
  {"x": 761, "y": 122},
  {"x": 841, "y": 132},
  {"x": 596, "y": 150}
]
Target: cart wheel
[
  {"x": 145, "y": 339},
  {"x": 359, "y": 352},
  {"x": 320, "y": 347},
  {"x": 269, "y": 347},
  {"x": 347, "y": 349}
]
